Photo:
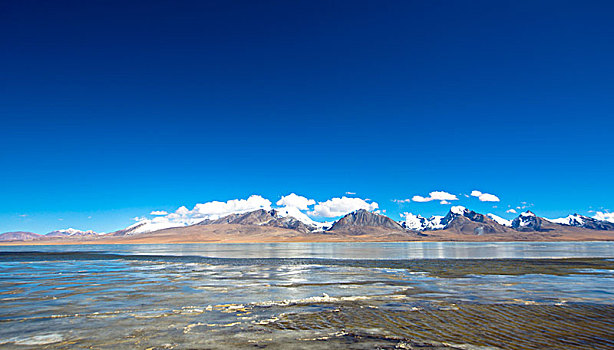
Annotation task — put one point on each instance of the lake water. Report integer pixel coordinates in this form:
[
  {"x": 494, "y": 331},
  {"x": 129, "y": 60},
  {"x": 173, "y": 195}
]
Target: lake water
[{"x": 309, "y": 296}]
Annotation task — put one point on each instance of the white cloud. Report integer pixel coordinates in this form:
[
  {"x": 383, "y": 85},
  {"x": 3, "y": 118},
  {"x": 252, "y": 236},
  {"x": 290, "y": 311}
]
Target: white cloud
[
  {"x": 511, "y": 211},
  {"x": 443, "y": 196},
  {"x": 350, "y": 193},
  {"x": 436, "y": 196},
  {"x": 487, "y": 197},
  {"x": 484, "y": 197},
  {"x": 340, "y": 206},
  {"x": 295, "y": 201},
  {"x": 605, "y": 216},
  {"x": 215, "y": 209},
  {"x": 444, "y": 202},
  {"x": 402, "y": 200},
  {"x": 158, "y": 212}
]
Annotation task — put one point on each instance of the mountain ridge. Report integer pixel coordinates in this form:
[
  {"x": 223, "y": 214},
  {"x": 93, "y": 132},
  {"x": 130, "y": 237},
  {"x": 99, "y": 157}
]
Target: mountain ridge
[{"x": 458, "y": 221}]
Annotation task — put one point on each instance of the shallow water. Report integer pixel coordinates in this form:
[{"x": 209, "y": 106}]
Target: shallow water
[{"x": 309, "y": 295}]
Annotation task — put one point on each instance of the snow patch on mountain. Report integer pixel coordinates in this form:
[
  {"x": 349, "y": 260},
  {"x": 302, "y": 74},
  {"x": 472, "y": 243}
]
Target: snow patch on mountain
[
  {"x": 302, "y": 217},
  {"x": 420, "y": 223},
  {"x": 150, "y": 225},
  {"x": 499, "y": 220},
  {"x": 458, "y": 210},
  {"x": 527, "y": 221},
  {"x": 73, "y": 232},
  {"x": 570, "y": 220}
]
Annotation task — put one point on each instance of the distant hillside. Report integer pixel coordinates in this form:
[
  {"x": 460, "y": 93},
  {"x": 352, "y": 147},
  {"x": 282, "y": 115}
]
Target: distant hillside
[
  {"x": 19, "y": 236},
  {"x": 363, "y": 218},
  {"x": 459, "y": 224}
]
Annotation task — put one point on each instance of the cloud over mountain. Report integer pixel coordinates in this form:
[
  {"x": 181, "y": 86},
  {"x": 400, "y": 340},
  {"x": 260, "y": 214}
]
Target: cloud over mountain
[
  {"x": 306, "y": 210},
  {"x": 484, "y": 197},
  {"x": 201, "y": 211},
  {"x": 442, "y": 196},
  {"x": 219, "y": 209},
  {"x": 340, "y": 206},
  {"x": 291, "y": 204},
  {"x": 295, "y": 201},
  {"x": 605, "y": 216}
]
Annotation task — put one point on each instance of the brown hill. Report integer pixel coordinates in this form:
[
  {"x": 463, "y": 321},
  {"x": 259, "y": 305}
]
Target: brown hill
[
  {"x": 19, "y": 236},
  {"x": 359, "y": 220}
]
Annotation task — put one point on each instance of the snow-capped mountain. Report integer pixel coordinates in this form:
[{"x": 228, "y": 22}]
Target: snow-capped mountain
[
  {"x": 458, "y": 219},
  {"x": 420, "y": 223},
  {"x": 286, "y": 217},
  {"x": 570, "y": 220},
  {"x": 302, "y": 217},
  {"x": 71, "y": 232},
  {"x": 263, "y": 217},
  {"x": 577, "y": 220},
  {"x": 463, "y": 220},
  {"x": 146, "y": 226},
  {"x": 527, "y": 221}
]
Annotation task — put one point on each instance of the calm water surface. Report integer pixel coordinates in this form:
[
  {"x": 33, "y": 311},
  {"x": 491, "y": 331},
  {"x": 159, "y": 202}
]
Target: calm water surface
[{"x": 309, "y": 296}]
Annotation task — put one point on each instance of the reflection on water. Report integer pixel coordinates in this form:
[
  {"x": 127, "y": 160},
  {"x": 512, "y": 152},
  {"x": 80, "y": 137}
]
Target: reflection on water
[
  {"x": 316, "y": 295},
  {"x": 366, "y": 250}
]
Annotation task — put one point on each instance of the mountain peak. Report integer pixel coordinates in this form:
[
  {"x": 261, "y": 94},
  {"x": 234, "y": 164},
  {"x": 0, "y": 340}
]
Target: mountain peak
[
  {"x": 527, "y": 221},
  {"x": 463, "y": 220},
  {"x": 364, "y": 218},
  {"x": 262, "y": 217},
  {"x": 458, "y": 210}
]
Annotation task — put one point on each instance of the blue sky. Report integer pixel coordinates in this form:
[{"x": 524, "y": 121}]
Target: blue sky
[{"x": 110, "y": 109}]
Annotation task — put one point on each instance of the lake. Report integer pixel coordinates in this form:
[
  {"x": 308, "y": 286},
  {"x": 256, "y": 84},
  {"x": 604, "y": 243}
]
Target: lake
[{"x": 426, "y": 295}]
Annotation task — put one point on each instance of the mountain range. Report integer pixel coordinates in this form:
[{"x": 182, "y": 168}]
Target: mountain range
[{"x": 459, "y": 223}]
